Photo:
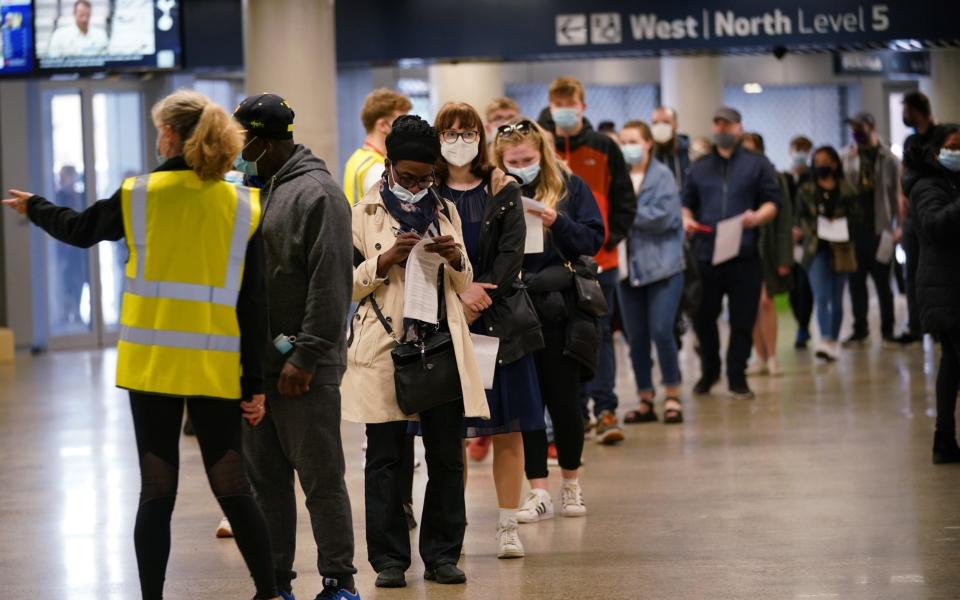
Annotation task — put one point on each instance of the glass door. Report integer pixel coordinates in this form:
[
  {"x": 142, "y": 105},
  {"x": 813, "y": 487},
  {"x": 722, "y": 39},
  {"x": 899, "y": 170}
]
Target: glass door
[{"x": 93, "y": 140}]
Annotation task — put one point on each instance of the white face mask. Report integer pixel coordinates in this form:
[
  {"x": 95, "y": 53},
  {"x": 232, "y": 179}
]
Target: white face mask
[
  {"x": 661, "y": 132},
  {"x": 405, "y": 195},
  {"x": 460, "y": 153}
]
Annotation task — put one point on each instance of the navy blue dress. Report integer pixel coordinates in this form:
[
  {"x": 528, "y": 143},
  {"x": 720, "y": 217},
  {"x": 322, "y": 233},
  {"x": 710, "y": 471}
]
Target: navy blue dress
[{"x": 514, "y": 401}]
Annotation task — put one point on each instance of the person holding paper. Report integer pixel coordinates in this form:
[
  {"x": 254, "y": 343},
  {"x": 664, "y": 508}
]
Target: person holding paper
[
  {"x": 934, "y": 188},
  {"x": 574, "y": 228},
  {"x": 728, "y": 183},
  {"x": 874, "y": 172},
  {"x": 827, "y": 200},
  {"x": 650, "y": 295},
  {"x": 491, "y": 212},
  {"x": 387, "y": 224}
]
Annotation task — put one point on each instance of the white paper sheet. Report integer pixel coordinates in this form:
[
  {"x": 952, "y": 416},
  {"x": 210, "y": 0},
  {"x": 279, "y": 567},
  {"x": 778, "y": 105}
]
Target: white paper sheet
[
  {"x": 797, "y": 253},
  {"x": 727, "y": 244},
  {"x": 485, "y": 348},
  {"x": 833, "y": 230},
  {"x": 420, "y": 284},
  {"x": 885, "y": 249},
  {"x": 534, "y": 241},
  {"x": 623, "y": 260}
]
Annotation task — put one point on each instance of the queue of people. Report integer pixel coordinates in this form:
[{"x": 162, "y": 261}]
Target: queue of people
[{"x": 242, "y": 324}]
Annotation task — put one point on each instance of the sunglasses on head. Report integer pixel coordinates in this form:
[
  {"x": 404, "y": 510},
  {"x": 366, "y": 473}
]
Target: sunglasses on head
[{"x": 523, "y": 127}]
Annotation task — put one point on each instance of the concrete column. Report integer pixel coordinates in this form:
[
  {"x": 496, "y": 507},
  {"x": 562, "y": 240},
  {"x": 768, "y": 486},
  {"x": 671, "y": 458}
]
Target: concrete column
[
  {"x": 477, "y": 84},
  {"x": 693, "y": 86},
  {"x": 289, "y": 49},
  {"x": 944, "y": 89}
]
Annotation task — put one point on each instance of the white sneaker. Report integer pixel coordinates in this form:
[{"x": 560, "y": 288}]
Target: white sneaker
[
  {"x": 756, "y": 368},
  {"x": 826, "y": 350},
  {"x": 538, "y": 507},
  {"x": 508, "y": 539},
  {"x": 773, "y": 367},
  {"x": 571, "y": 501},
  {"x": 224, "y": 529}
]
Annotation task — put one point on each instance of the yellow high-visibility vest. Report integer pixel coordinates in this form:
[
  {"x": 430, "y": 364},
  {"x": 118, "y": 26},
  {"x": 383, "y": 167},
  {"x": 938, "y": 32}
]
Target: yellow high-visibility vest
[
  {"x": 188, "y": 240},
  {"x": 355, "y": 183}
]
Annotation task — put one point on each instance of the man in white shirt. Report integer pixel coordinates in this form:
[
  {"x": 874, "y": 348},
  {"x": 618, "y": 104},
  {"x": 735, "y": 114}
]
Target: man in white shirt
[{"x": 78, "y": 39}]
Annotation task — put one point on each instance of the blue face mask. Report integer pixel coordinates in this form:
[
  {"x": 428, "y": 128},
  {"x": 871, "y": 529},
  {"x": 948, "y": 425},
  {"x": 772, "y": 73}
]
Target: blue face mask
[
  {"x": 950, "y": 159},
  {"x": 405, "y": 195},
  {"x": 565, "y": 118},
  {"x": 800, "y": 159},
  {"x": 526, "y": 174},
  {"x": 633, "y": 153},
  {"x": 248, "y": 167}
]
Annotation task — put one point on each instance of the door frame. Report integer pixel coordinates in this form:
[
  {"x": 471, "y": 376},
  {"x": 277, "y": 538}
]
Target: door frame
[{"x": 98, "y": 336}]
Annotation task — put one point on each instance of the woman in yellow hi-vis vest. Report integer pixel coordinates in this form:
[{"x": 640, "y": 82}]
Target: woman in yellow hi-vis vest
[{"x": 192, "y": 322}]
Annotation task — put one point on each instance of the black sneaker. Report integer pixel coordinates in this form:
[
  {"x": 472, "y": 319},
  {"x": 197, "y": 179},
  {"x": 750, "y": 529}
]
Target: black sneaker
[
  {"x": 945, "y": 449},
  {"x": 704, "y": 385},
  {"x": 391, "y": 577},
  {"x": 741, "y": 391},
  {"x": 907, "y": 339},
  {"x": 857, "y": 339},
  {"x": 445, "y": 575}
]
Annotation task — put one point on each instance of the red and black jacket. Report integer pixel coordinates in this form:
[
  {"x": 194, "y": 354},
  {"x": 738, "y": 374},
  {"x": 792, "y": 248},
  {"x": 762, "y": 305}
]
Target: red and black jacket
[{"x": 597, "y": 160}]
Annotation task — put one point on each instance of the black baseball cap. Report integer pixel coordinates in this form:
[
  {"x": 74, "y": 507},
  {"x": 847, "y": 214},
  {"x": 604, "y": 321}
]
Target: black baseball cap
[
  {"x": 862, "y": 118},
  {"x": 725, "y": 113},
  {"x": 266, "y": 116}
]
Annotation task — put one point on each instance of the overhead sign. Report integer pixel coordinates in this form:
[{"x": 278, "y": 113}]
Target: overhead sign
[
  {"x": 883, "y": 62},
  {"x": 373, "y": 32}
]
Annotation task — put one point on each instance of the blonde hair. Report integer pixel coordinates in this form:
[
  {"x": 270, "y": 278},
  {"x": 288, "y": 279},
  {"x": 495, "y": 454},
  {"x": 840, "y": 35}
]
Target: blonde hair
[
  {"x": 211, "y": 138},
  {"x": 552, "y": 187},
  {"x": 502, "y": 103}
]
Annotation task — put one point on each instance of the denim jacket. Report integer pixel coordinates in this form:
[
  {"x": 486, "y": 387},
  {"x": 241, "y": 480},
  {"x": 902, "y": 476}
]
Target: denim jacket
[{"x": 655, "y": 244}]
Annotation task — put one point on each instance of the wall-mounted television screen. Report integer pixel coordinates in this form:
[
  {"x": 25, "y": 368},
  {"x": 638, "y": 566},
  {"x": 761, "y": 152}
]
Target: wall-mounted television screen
[
  {"x": 16, "y": 37},
  {"x": 78, "y": 35}
]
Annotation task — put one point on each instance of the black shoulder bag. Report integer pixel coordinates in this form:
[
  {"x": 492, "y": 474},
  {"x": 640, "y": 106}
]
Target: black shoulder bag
[
  {"x": 586, "y": 286},
  {"x": 425, "y": 371}
]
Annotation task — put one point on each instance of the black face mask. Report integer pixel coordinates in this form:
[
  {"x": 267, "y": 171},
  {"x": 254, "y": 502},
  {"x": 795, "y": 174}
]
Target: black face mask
[
  {"x": 823, "y": 172},
  {"x": 911, "y": 123}
]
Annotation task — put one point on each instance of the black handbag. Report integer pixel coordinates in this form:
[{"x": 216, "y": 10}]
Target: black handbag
[
  {"x": 511, "y": 315},
  {"x": 586, "y": 287},
  {"x": 425, "y": 371}
]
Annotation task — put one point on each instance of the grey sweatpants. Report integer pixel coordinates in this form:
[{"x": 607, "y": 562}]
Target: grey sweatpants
[{"x": 302, "y": 434}]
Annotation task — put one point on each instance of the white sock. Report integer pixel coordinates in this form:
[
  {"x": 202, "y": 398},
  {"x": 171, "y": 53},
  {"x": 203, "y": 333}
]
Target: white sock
[
  {"x": 508, "y": 515},
  {"x": 571, "y": 482}
]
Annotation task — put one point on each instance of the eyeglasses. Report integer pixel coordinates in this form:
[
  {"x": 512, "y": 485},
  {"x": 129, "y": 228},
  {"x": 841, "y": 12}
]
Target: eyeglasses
[
  {"x": 524, "y": 127},
  {"x": 450, "y": 136},
  {"x": 409, "y": 181}
]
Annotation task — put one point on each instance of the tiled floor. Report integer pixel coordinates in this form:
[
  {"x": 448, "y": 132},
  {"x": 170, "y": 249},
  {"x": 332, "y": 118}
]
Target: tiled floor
[{"x": 820, "y": 488}]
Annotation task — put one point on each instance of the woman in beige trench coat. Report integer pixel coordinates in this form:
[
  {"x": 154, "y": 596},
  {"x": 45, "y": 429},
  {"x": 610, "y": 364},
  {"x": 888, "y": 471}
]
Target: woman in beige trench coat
[{"x": 387, "y": 223}]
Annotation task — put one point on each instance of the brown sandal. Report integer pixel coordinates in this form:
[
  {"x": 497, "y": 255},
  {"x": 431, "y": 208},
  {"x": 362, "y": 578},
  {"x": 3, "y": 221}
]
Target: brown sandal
[
  {"x": 636, "y": 416},
  {"x": 673, "y": 416}
]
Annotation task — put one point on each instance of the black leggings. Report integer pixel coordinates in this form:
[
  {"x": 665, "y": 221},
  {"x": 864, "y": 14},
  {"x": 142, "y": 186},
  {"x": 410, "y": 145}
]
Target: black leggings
[
  {"x": 560, "y": 383},
  {"x": 156, "y": 421},
  {"x": 948, "y": 382}
]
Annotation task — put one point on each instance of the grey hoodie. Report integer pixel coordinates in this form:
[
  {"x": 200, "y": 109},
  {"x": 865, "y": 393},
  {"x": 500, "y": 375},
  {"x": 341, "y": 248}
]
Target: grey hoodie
[{"x": 309, "y": 268}]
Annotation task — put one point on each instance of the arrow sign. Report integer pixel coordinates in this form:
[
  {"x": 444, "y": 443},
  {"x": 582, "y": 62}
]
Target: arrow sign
[{"x": 572, "y": 30}]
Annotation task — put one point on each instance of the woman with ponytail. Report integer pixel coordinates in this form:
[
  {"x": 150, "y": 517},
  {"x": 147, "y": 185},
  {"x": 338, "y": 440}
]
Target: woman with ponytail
[{"x": 193, "y": 323}]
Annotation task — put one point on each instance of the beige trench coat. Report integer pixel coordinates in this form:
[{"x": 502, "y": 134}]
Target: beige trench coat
[{"x": 368, "y": 392}]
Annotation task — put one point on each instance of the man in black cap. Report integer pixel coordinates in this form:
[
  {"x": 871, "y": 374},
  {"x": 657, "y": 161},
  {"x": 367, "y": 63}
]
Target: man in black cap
[
  {"x": 874, "y": 172},
  {"x": 309, "y": 265},
  {"x": 728, "y": 182}
]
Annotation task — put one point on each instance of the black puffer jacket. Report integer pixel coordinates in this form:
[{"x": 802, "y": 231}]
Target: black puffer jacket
[{"x": 935, "y": 197}]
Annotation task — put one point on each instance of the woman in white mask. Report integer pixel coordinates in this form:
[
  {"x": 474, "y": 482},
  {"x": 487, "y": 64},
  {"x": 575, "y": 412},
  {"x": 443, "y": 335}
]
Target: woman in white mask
[
  {"x": 491, "y": 213},
  {"x": 573, "y": 227}
]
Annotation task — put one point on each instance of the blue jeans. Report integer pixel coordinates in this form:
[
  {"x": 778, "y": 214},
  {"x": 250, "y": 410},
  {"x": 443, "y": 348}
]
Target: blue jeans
[
  {"x": 827, "y": 294},
  {"x": 601, "y": 387},
  {"x": 649, "y": 313}
]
